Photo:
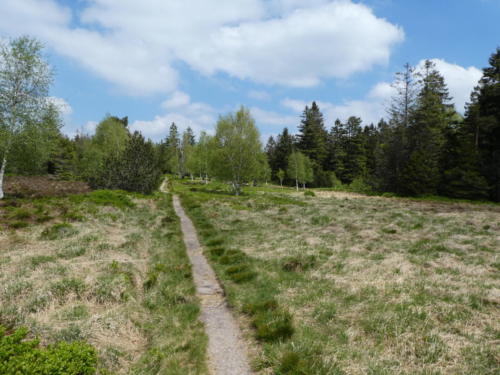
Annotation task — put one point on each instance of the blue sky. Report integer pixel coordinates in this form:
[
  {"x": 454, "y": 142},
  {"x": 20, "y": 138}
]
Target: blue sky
[{"x": 158, "y": 61}]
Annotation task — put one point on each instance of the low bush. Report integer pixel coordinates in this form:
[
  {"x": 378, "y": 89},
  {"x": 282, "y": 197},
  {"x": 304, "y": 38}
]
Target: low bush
[
  {"x": 309, "y": 193},
  {"x": 21, "y": 356}
]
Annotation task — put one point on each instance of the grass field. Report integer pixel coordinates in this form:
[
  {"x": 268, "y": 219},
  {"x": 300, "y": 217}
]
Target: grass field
[
  {"x": 108, "y": 268},
  {"x": 340, "y": 283}
]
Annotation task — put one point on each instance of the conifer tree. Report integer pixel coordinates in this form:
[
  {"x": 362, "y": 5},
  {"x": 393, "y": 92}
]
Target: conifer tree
[
  {"x": 312, "y": 138},
  {"x": 283, "y": 149},
  {"x": 432, "y": 115},
  {"x": 173, "y": 151},
  {"x": 482, "y": 123},
  {"x": 337, "y": 154}
]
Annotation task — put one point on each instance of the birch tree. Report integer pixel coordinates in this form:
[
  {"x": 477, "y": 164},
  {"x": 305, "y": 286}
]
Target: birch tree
[
  {"x": 237, "y": 149},
  {"x": 25, "y": 78}
]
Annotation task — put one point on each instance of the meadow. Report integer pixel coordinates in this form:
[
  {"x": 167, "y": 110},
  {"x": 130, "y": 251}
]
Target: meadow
[
  {"x": 108, "y": 268},
  {"x": 331, "y": 282}
]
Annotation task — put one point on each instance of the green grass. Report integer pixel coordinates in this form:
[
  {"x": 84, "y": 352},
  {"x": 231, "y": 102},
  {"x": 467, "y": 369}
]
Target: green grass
[
  {"x": 115, "y": 198},
  {"x": 355, "y": 284}
]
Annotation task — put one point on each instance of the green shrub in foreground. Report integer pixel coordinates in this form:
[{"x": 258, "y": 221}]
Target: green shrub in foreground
[{"x": 21, "y": 356}]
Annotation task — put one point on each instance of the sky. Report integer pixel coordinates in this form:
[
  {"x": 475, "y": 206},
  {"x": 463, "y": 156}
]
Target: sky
[{"x": 189, "y": 61}]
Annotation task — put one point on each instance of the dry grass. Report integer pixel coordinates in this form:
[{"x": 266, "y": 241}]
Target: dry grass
[
  {"x": 375, "y": 285},
  {"x": 88, "y": 284}
]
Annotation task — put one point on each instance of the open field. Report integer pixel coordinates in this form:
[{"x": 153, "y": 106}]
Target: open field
[
  {"x": 341, "y": 283},
  {"x": 109, "y": 268}
]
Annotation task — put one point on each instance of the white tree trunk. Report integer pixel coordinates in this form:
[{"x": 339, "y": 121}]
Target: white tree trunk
[
  {"x": 297, "y": 184},
  {"x": 2, "y": 172}
]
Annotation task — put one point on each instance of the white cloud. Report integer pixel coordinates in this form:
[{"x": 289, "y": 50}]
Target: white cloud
[
  {"x": 135, "y": 44},
  {"x": 180, "y": 109},
  {"x": 273, "y": 119},
  {"x": 178, "y": 99},
  {"x": 460, "y": 80},
  {"x": 333, "y": 40},
  {"x": 373, "y": 106},
  {"x": 371, "y": 109},
  {"x": 61, "y": 104},
  {"x": 259, "y": 95},
  {"x": 90, "y": 127}
]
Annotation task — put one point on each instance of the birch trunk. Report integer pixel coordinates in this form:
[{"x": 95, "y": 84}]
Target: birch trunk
[{"x": 2, "y": 172}]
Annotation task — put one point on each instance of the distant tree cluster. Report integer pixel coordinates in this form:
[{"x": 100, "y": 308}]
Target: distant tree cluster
[
  {"x": 424, "y": 148},
  {"x": 234, "y": 154}
]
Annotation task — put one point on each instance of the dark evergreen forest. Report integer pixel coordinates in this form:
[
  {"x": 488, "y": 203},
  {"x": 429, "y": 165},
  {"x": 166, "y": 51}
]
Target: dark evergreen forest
[{"x": 424, "y": 147}]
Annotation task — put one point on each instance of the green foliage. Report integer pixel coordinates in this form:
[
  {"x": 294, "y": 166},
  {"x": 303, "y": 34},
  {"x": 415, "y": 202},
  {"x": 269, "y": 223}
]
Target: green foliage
[
  {"x": 309, "y": 193},
  {"x": 312, "y": 138},
  {"x": 136, "y": 169},
  {"x": 358, "y": 185},
  {"x": 300, "y": 169},
  {"x": 25, "y": 78},
  {"x": 21, "y": 356},
  {"x": 237, "y": 149}
]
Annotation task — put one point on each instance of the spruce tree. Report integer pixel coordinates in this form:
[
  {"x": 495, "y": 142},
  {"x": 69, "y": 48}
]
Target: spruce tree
[
  {"x": 284, "y": 147},
  {"x": 482, "y": 123},
  {"x": 173, "y": 151},
  {"x": 354, "y": 158},
  {"x": 432, "y": 115},
  {"x": 312, "y": 138},
  {"x": 337, "y": 152},
  {"x": 393, "y": 154}
]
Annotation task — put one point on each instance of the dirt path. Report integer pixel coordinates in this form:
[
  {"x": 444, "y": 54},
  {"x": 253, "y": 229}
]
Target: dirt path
[{"x": 227, "y": 352}]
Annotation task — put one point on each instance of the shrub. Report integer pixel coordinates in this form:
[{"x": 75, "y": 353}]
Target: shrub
[
  {"x": 21, "y": 356},
  {"x": 358, "y": 185},
  {"x": 309, "y": 193},
  {"x": 136, "y": 169}
]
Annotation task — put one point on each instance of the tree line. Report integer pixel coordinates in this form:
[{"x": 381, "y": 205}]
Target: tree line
[{"x": 423, "y": 148}]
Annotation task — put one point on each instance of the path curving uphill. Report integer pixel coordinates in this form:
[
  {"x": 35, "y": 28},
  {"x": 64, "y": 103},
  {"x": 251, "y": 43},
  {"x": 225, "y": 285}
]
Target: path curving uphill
[{"x": 227, "y": 351}]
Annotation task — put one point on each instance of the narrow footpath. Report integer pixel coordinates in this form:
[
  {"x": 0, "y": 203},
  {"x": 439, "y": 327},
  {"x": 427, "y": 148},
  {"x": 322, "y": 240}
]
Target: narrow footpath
[{"x": 227, "y": 352}]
